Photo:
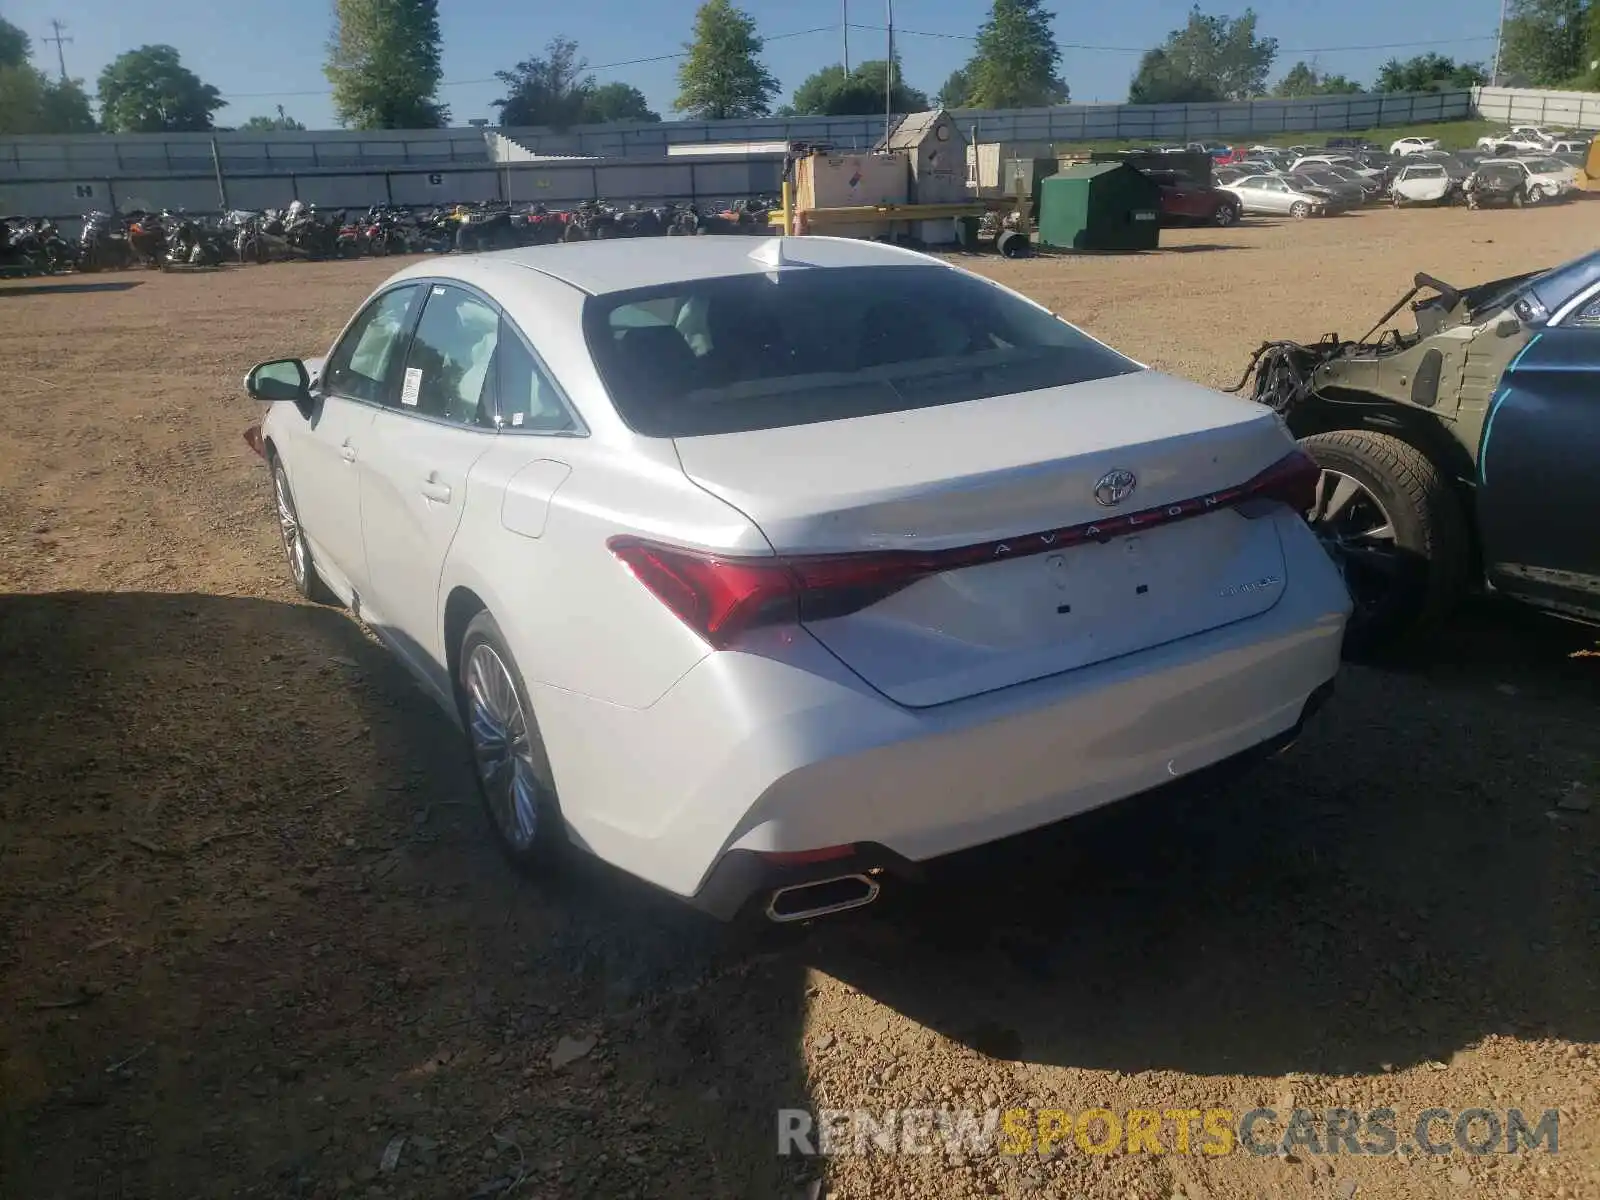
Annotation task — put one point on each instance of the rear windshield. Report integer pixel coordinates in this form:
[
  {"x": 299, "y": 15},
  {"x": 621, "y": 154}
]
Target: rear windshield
[{"x": 809, "y": 344}]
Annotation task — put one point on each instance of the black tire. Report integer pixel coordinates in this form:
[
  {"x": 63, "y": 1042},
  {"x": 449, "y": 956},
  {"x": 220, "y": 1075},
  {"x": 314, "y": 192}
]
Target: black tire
[
  {"x": 1226, "y": 215},
  {"x": 1300, "y": 210},
  {"x": 1013, "y": 243},
  {"x": 296, "y": 550},
  {"x": 1425, "y": 574},
  {"x": 484, "y": 666}
]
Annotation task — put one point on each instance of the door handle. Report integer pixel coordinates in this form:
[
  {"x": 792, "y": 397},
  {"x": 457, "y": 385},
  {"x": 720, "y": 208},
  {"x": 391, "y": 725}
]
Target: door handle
[
  {"x": 432, "y": 489},
  {"x": 347, "y": 451}
]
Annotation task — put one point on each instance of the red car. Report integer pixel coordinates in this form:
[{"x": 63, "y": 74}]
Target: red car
[{"x": 1186, "y": 202}]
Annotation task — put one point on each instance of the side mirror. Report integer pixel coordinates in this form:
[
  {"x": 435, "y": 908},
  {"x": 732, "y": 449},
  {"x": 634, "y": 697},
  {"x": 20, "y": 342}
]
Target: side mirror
[{"x": 282, "y": 379}]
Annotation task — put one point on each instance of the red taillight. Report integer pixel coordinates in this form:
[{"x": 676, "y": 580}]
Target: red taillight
[
  {"x": 720, "y": 596},
  {"x": 1291, "y": 480}
]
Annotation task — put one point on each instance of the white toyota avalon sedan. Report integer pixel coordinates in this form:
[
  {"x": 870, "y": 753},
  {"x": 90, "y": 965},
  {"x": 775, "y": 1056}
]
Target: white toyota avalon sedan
[{"x": 768, "y": 570}]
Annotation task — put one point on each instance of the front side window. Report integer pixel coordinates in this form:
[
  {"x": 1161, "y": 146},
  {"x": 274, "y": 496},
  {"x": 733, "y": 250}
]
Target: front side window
[
  {"x": 449, "y": 371},
  {"x": 807, "y": 344},
  {"x": 361, "y": 363}
]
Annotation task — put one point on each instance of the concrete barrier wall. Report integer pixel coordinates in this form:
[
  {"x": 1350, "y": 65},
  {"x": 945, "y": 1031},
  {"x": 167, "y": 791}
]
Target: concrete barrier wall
[
  {"x": 1072, "y": 122},
  {"x": 557, "y": 184},
  {"x": 1526, "y": 106},
  {"x": 98, "y": 156}
]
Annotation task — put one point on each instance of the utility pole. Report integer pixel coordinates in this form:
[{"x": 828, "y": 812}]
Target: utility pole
[
  {"x": 844, "y": 30},
  {"x": 61, "y": 59},
  {"x": 1499, "y": 41},
  {"x": 888, "y": 86}
]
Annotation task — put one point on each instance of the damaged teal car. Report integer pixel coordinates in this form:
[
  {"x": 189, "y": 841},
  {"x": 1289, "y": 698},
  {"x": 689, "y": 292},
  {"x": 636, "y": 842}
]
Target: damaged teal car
[{"x": 1463, "y": 454}]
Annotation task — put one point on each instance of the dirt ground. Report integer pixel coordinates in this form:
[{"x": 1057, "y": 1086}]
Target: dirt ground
[{"x": 252, "y": 930}]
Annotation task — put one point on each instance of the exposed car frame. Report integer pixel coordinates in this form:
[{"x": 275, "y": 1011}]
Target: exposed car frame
[{"x": 1469, "y": 447}]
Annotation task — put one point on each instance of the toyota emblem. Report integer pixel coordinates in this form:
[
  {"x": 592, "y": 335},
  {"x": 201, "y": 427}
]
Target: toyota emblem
[{"x": 1114, "y": 487}]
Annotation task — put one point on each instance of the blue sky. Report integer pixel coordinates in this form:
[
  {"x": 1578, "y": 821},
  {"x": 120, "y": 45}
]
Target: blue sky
[{"x": 264, "y": 54}]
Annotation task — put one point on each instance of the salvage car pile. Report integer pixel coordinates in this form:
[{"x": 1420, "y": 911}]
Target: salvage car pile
[{"x": 1527, "y": 166}]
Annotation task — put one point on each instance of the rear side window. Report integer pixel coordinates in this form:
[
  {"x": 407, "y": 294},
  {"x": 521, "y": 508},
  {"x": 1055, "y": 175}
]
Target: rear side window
[
  {"x": 803, "y": 345},
  {"x": 528, "y": 399}
]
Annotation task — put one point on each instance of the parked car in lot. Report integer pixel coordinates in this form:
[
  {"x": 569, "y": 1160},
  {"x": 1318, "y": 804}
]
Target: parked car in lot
[
  {"x": 1522, "y": 139},
  {"x": 1372, "y": 184},
  {"x": 1423, "y": 183},
  {"x": 621, "y": 507},
  {"x": 1547, "y": 178},
  {"x": 1341, "y": 194},
  {"x": 1461, "y": 453},
  {"x": 1337, "y": 162},
  {"x": 1412, "y": 145},
  {"x": 1496, "y": 185},
  {"x": 1187, "y": 201},
  {"x": 1278, "y": 195}
]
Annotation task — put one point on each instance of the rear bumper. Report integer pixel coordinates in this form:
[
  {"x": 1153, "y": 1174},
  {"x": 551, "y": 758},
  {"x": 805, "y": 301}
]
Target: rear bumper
[
  {"x": 778, "y": 748},
  {"x": 742, "y": 880}
]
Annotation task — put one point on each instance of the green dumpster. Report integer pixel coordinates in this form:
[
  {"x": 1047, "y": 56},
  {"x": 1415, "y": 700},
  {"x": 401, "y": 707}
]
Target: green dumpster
[{"x": 1100, "y": 206}]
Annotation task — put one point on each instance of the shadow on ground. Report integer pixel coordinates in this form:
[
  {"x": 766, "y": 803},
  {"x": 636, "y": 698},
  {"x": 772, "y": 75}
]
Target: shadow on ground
[
  {"x": 69, "y": 289},
  {"x": 253, "y": 934}
]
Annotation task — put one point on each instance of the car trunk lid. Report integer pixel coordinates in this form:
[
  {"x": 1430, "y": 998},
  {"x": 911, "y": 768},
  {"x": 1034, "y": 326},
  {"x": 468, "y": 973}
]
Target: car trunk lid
[{"x": 1050, "y": 568}]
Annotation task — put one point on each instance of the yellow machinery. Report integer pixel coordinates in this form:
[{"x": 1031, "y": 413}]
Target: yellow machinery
[{"x": 1591, "y": 168}]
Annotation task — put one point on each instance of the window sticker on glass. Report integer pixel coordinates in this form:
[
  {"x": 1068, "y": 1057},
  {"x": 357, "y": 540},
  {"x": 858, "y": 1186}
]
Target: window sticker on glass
[
  {"x": 412, "y": 387},
  {"x": 438, "y": 291}
]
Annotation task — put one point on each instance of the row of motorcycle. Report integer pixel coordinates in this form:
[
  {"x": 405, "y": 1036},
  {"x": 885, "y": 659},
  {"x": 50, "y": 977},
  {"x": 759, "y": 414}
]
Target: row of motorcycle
[{"x": 173, "y": 239}]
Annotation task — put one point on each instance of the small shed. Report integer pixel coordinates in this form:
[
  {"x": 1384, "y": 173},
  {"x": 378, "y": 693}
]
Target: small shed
[
  {"x": 937, "y": 153},
  {"x": 1100, "y": 206}
]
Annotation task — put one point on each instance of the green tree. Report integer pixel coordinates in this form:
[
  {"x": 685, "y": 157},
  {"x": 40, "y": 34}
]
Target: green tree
[
  {"x": 149, "y": 90},
  {"x": 281, "y": 123},
  {"x": 1302, "y": 80},
  {"x": 30, "y": 101},
  {"x": 956, "y": 91},
  {"x": 618, "y": 103},
  {"x": 1016, "y": 62},
  {"x": 1428, "y": 73},
  {"x": 549, "y": 91},
  {"x": 21, "y": 99},
  {"x": 1546, "y": 41},
  {"x": 556, "y": 91},
  {"x": 64, "y": 108},
  {"x": 15, "y": 45},
  {"x": 1221, "y": 52},
  {"x": 831, "y": 93},
  {"x": 1588, "y": 79},
  {"x": 1159, "y": 80},
  {"x": 383, "y": 63},
  {"x": 723, "y": 76}
]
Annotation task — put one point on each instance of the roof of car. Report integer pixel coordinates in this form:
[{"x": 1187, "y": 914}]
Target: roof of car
[{"x": 620, "y": 264}]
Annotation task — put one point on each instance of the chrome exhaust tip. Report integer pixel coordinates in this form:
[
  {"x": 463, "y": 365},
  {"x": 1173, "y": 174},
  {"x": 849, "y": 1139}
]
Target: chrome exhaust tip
[{"x": 803, "y": 901}]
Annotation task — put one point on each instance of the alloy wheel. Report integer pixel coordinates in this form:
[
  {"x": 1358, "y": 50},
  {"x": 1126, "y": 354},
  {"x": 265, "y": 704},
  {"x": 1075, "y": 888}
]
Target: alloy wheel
[
  {"x": 294, "y": 542},
  {"x": 502, "y": 750},
  {"x": 1359, "y": 536}
]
